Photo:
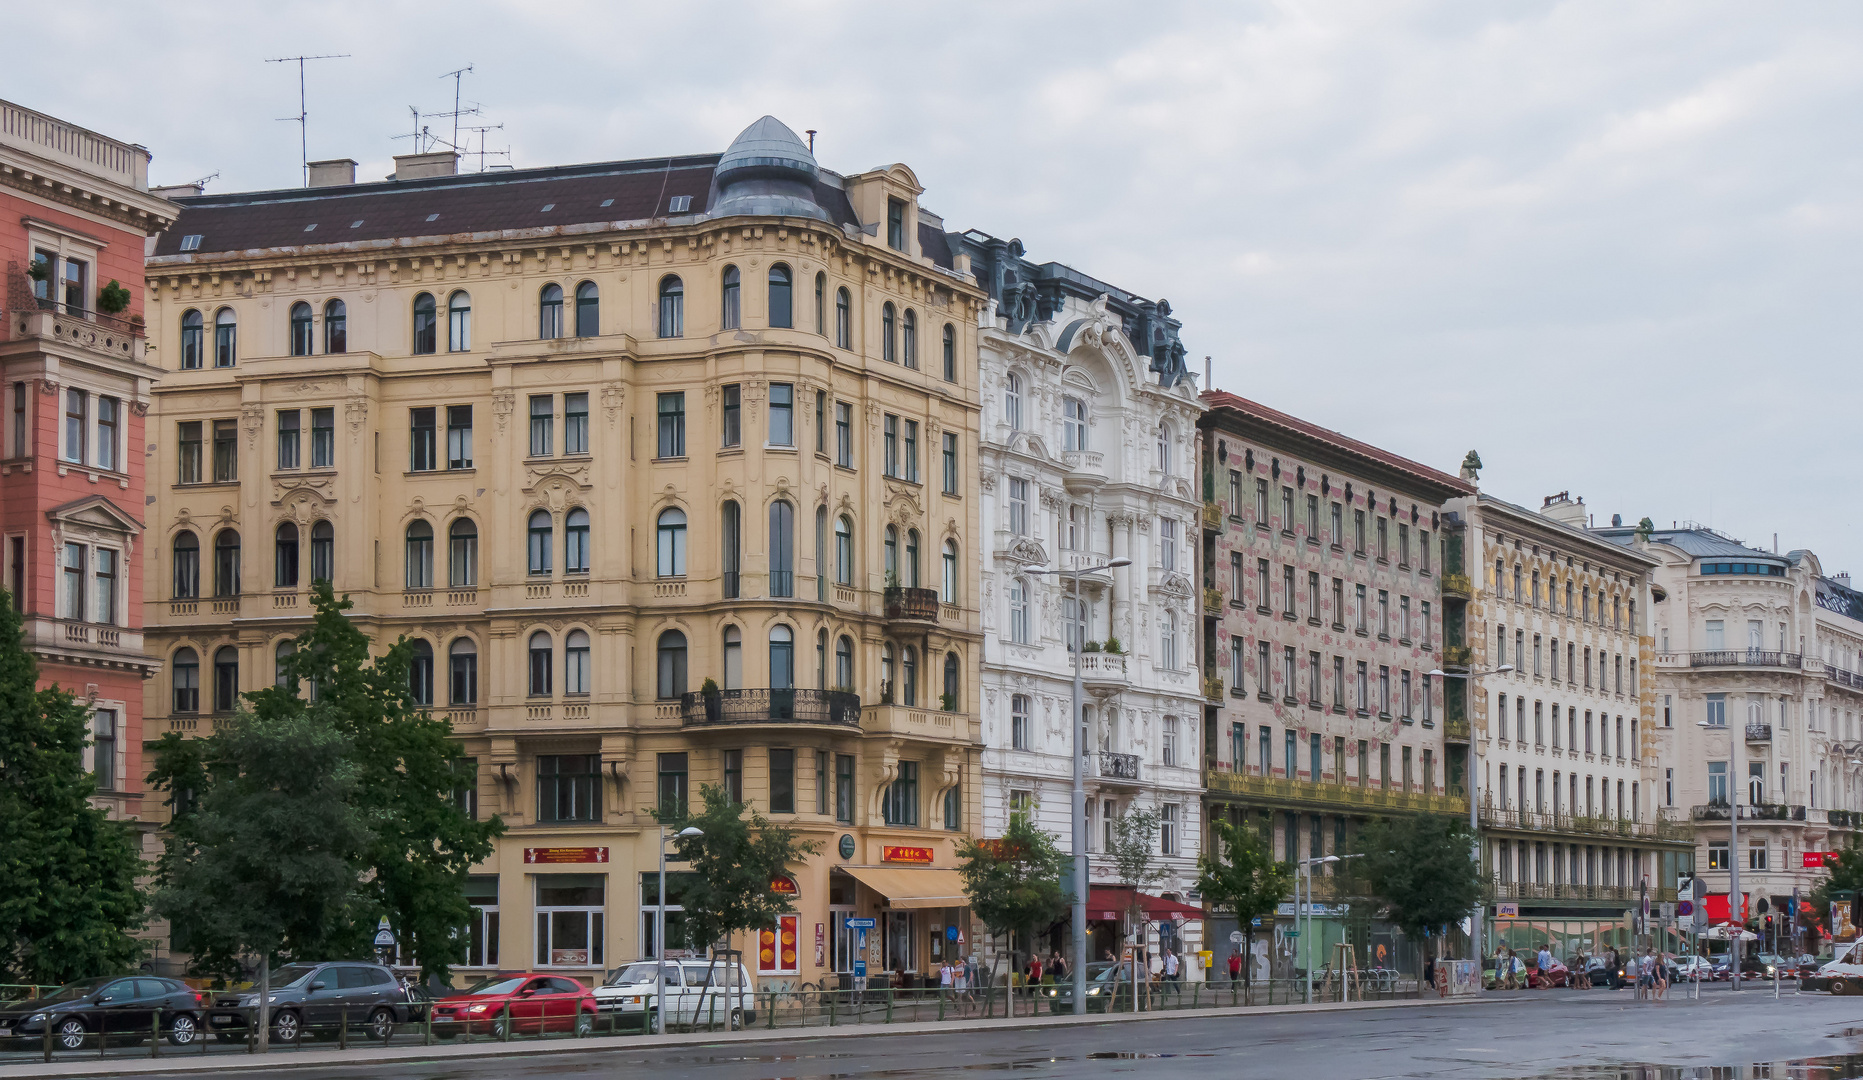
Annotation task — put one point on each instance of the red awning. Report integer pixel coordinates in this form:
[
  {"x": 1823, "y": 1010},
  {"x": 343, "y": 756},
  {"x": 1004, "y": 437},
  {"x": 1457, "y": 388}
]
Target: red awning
[{"x": 1114, "y": 903}]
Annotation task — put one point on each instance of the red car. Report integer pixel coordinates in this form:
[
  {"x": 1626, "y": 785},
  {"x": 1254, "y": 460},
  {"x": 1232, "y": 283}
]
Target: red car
[
  {"x": 529, "y": 1003},
  {"x": 1556, "y": 975}
]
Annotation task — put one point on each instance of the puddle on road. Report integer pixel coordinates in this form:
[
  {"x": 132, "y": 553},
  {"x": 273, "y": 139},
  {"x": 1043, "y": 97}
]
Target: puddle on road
[{"x": 1840, "y": 1067}]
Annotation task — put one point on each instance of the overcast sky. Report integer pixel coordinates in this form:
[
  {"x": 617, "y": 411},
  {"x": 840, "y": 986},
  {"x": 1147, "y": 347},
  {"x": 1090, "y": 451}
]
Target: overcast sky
[{"x": 1612, "y": 246}]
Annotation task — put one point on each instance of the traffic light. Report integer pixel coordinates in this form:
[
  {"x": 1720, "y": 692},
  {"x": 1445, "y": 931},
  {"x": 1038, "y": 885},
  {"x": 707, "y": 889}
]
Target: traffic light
[{"x": 1769, "y": 924}]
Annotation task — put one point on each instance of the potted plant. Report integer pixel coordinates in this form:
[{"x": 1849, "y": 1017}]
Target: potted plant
[
  {"x": 113, "y": 299},
  {"x": 714, "y": 701},
  {"x": 1112, "y": 646},
  {"x": 1091, "y": 646},
  {"x": 949, "y": 701}
]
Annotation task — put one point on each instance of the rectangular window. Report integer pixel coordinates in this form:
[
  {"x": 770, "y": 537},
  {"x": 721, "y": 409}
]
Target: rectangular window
[
  {"x": 1337, "y": 533},
  {"x": 1717, "y": 855},
  {"x": 1261, "y": 584},
  {"x": 568, "y": 787},
  {"x": 1313, "y": 679},
  {"x": 821, "y": 421},
  {"x": 1167, "y": 829},
  {"x": 1403, "y": 695},
  {"x": 901, "y": 804},
  {"x": 912, "y": 451},
  {"x": 289, "y": 434},
  {"x": 1717, "y": 710},
  {"x": 672, "y": 419},
  {"x": 323, "y": 438},
  {"x": 672, "y": 783},
  {"x": 1313, "y": 597},
  {"x": 543, "y": 424},
  {"x": 1425, "y": 616},
  {"x": 106, "y": 577},
  {"x": 844, "y": 789},
  {"x": 1289, "y": 599},
  {"x": 1235, "y": 493},
  {"x": 1018, "y": 506},
  {"x": 20, "y": 435},
  {"x": 844, "y": 434},
  {"x": 734, "y": 775},
  {"x": 1290, "y": 754},
  {"x": 74, "y": 581},
  {"x": 190, "y": 457},
  {"x": 782, "y": 426},
  {"x": 1359, "y": 614},
  {"x": 889, "y": 444},
  {"x": 1261, "y": 502},
  {"x": 1338, "y": 604},
  {"x": 1237, "y": 666},
  {"x": 1364, "y": 688},
  {"x": 576, "y": 423},
  {"x": 782, "y": 781},
  {"x": 225, "y": 451},
  {"x": 1384, "y": 615},
  {"x": 896, "y": 224},
  {"x": 459, "y": 436},
  {"x": 1403, "y": 545},
  {"x": 1339, "y": 684},
  {"x": 1384, "y": 690},
  {"x": 1287, "y": 509},
  {"x": 1167, "y": 544},
  {"x": 103, "y": 748},
  {"x": 733, "y": 418},
  {"x": 1717, "y": 783},
  {"x": 1313, "y": 518},
  {"x": 422, "y": 440},
  {"x": 821, "y": 782},
  {"x": 1168, "y": 743},
  {"x": 1264, "y": 749},
  {"x": 1235, "y": 575},
  {"x": 950, "y": 463},
  {"x": 1290, "y": 679},
  {"x": 1358, "y": 532},
  {"x": 108, "y": 411},
  {"x": 1264, "y": 678},
  {"x": 76, "y": 406}
]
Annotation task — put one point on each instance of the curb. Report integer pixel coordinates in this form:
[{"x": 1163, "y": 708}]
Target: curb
[{"x": 440, "y": 1053}]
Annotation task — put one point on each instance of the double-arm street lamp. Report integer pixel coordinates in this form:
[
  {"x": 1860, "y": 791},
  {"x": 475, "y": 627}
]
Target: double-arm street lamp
[
  {"x": 1077, "y": 642},
  {"x": 1474, "y": 808}
]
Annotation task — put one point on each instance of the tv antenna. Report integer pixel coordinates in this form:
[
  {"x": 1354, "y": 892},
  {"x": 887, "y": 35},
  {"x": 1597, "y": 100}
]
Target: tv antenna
[
  {"x": 458, "y": 76},
  {"x": 482, "y": 153},
  {"x": 423, "y": 138},
  {"x": 303, "y": 116}
]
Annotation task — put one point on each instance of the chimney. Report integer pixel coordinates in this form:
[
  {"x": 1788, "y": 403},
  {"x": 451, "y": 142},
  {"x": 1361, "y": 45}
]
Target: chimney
[
  {"x": 1564, "y": 509},
  {"x": 336, "y": 172},
  {"x": 417, "y": 166}
]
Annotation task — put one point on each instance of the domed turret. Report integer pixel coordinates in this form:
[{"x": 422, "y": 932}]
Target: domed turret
[{"x": 766, "y": 171}]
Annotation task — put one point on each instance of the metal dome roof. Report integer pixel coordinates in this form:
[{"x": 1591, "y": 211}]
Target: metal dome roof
[
  {"x": 766, "y": 172},
  {"x": 767, "y": 144}
]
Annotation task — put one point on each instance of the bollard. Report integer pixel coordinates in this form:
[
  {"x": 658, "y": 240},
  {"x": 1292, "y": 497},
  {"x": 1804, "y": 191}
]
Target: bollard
[
  {"x": 505, "y": 1035},
  {"x": 831, "y": 1017},
  {"x": 889, "y": 1004},
  {"x": 771, "y": 1021},
  {"x": 426, "y": 1038},
  {"x": 252, "y": 1031},
  {"x": 941, "y": 1004},
  {"x": 155, "y": 1034},
  {"x": 48, "y": 1037}
]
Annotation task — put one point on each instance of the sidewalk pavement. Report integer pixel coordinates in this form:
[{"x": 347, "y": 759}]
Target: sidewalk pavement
[{"x": 181, "y": 1062}]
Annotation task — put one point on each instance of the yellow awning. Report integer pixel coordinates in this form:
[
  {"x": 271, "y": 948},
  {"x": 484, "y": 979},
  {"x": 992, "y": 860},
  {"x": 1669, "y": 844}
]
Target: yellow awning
[{"x": 913, "y": 887}]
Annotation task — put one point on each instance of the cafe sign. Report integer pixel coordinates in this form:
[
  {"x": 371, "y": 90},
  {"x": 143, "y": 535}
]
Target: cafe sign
[{"x": 893, "y": 853}]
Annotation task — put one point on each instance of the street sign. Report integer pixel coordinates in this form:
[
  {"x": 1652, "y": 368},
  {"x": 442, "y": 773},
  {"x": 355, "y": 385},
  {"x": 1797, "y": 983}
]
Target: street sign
[
  {"x": 860, "y": 969},
  {"x": 1290, "y": 933},
  {"x": 1235, "y": 937},
  {"x": 950, "y": 933},
  {"x": 1684, "y": 908},
  {"x": 859, "y": 924},
  {"x": 384, "y": 937}
]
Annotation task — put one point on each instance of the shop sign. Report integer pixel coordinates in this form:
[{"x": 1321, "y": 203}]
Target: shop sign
[
  {"x": 821, "y": 945},
  {"x": 892, "y": 853},
  {"x": 1817, "y": 860},
  {"x": 565, "y": 855},
  {"x": 569, "y": 957},
  {"x": 783, "y": 885},
  {"x": 776, "y": 946},
  {"x": 1507, "y": 911}
]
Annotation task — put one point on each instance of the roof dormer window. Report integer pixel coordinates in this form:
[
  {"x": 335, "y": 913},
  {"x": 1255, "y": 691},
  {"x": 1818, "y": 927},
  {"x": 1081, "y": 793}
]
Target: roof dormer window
[{"x": 896, "y": 224}]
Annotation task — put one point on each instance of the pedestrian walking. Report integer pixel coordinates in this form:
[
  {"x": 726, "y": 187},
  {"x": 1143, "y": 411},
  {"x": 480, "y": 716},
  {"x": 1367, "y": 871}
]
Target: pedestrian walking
[
  {"x": 1235, "y": 965},
  {"x": 1171, "y": 972},
  {"x": 947, "y": 981},
  {"x": 1581, "y": 970},
  {"x": 1614, "y": 974},
  {"x": 1545, "y": 962},
  {"x": 1662, "y": 976}
]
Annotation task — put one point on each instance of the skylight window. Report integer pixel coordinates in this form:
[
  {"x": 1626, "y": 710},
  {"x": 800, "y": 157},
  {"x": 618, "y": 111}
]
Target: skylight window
[
  {"x": 356, "y": 224},
  {"x": 433, "y": 217},
  {"x": 680, "y": 204},
  {"x": 547, "y": 207},
  {"x": 191, "y": 242},
  {"x": 311, "y": 227},
  {"x": 608, "y": 202}
]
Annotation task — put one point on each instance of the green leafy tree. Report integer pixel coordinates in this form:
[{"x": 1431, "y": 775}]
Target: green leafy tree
[
  {"x": 409, "y": 774},
  {"x": 68, "y": 895},
  {"x": 1134, "y": 850},
  {"x": 1844, "y": 873},
  {"x": 1420, "y": 867},
  {"x": 1014, "y": 881},
  {"x": 1239, "y": 871},
  {"x": 734, "y": 864}
]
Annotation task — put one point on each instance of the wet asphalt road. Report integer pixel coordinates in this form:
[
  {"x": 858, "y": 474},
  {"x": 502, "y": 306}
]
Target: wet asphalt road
[{"x": 1558, "y": 1033}]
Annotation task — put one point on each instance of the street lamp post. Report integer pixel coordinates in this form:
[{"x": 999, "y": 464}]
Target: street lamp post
[
  {"x": 1736, "y": 916},
  {"x": 1474, "y": 810},
  {"x": 659, "y": 936},
  {"x": 1307, "y": 865},
  {"x": 1080, "y": 782}
]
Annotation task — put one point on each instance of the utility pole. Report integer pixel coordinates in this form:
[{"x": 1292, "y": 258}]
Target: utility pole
[{"x": 303, "y": 116}]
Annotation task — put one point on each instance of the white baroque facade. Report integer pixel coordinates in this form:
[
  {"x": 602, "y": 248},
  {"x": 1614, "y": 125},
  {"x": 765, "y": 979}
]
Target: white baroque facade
[{"x": 1088, "y": 453}]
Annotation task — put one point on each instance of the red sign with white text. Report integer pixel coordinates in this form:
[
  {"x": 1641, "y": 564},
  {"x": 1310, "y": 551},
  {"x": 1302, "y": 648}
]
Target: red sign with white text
[
  {"x": 1815, "y": 860},
  {"x": 891, "y": 853},
  {"x": 565, "y": 855}
]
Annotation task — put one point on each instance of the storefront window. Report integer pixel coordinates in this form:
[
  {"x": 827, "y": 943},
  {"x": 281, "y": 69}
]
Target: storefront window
[
  {"x": 482, "y": 930},
  {"x": 569, "y": 919},
  {"x": 899, "y": 942},
  {"x": 677, "y": 940}
]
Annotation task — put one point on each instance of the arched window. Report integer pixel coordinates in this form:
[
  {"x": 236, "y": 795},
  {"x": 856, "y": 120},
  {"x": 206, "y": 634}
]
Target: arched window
[
  {"x": 731, "y": 546},
  {"x": 576, "y": 542},
  {"x": 420, "y": 672},
  {"x": 576, "y": 662},
  {"x": 588, "y": 310},
  {"x": 463, "y": 662},
  {"x": 281, "y": 663},
  {"x": 323, "y": 552},
  {"x": 459, "y": 322},
  {"x": 225, "y": 679},
  {"x": 672, "y": 307},
  {"x": 550, "y": 312},
  {"x": 541, "y": 652},
  {"x": 844, "y": 663},
  {"x": 843, "y": 551},
  {"x": 909, "y": 677},
  {"x": 187, "y": 668},
  {"x": 950, "y": 353},
  {"x": 193, "y": 334},
  {"x": 226, "y": 563},
  {"x": 782, "y": 549},
  {"x": 426, "y": 324},
  {"x": 821, "y": 304},
  {"x": 887, "y": 674},
  {"x": 672, "y": 543},
  {"x": 909, "y": 338},
  {"x": 1012, "y": 401},
  {"x": 821, "y": 553},
  {"x": 1164, "y": 449},
  {"x": 733, "y": 658},
  {"x": 1018, "y": 611},
  {"x": 540, "y": 529},
  {"x": 462, "y": 564},
  {"x": 301, "y": 336},
  {"x": 843, "y": 319},
  {"x": 336, "y": 327},
  {"x": 781, "y": 305},
  {"x": 891, "y": 549},
  {"x": 285, "y": 557},
  {"x": 225, "y": 338},
  {"x": 912, "y": 559},
  {"x": 187, "y": 566},
  {"x": 672, "y": 666},
  {"x": 782, "y": 658},
  {"x": 947, "y": 585},
  {"x": 889, "y": 334},
  {"x": 950, "y": 682},
  {"x": 420, "y": 555},
  {"x": 730, "y": 307},
  {"x": 1074, "y": 424}
]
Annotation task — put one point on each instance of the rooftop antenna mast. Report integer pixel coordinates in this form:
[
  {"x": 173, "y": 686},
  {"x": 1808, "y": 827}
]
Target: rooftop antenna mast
[
  {"x": 458, "y": 76},
  {"x": 482, "y": 153},
  {"x": 423, "y": 139},
  {"x": 303, "y": 116}
]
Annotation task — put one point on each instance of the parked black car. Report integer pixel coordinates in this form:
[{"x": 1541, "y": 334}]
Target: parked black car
[
  {"x": 317, "y": 999},
  {"x": 124, "y": 1009}
]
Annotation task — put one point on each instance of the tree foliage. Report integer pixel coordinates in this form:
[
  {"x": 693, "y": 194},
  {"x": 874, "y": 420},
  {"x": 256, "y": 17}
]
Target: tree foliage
[
  {"x": 1014, "y": 881},
  {"x": 1843, "y": 874},
  {"x": 69, "y": 901},
  {"x": 733, "y": 864},
  {"x": 1134, "y": 850},
  {"x": 1238, "y": 871},
  {"x": 1420, "y": 867}
]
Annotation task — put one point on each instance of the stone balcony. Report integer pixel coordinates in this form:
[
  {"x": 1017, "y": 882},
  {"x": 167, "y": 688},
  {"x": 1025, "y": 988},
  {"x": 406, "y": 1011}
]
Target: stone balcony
[
  {"x": 92, "y": 332},
  {"x": 912, "y": 722},
  {"x": 1086, "y": 470}
]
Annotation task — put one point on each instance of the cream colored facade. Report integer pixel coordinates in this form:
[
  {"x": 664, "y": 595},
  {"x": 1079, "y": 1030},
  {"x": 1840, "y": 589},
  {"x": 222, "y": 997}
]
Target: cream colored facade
[{"x": 596, "y": 454}]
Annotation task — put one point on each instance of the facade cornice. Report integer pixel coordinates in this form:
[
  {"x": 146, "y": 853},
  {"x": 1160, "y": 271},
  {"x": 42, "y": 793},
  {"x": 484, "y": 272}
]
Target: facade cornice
[
  {"x": 1537, "y": 528},
  {"x": 89, "y": 196}
]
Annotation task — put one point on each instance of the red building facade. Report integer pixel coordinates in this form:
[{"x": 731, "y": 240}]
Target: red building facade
[{"x": 75, "y": 210}]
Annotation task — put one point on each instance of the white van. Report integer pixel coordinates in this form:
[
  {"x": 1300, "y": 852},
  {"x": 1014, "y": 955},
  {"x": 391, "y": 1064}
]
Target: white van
[
  {"x": 698, "y": 992},
  {"x": 1841, "y": 974}
]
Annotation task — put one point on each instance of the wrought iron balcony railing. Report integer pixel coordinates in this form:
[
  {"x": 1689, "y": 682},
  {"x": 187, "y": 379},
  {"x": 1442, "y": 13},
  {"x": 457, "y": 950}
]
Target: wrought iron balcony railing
[
  {"x": 769, "y": 706},
  {"x": 908, "y": 603}
]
